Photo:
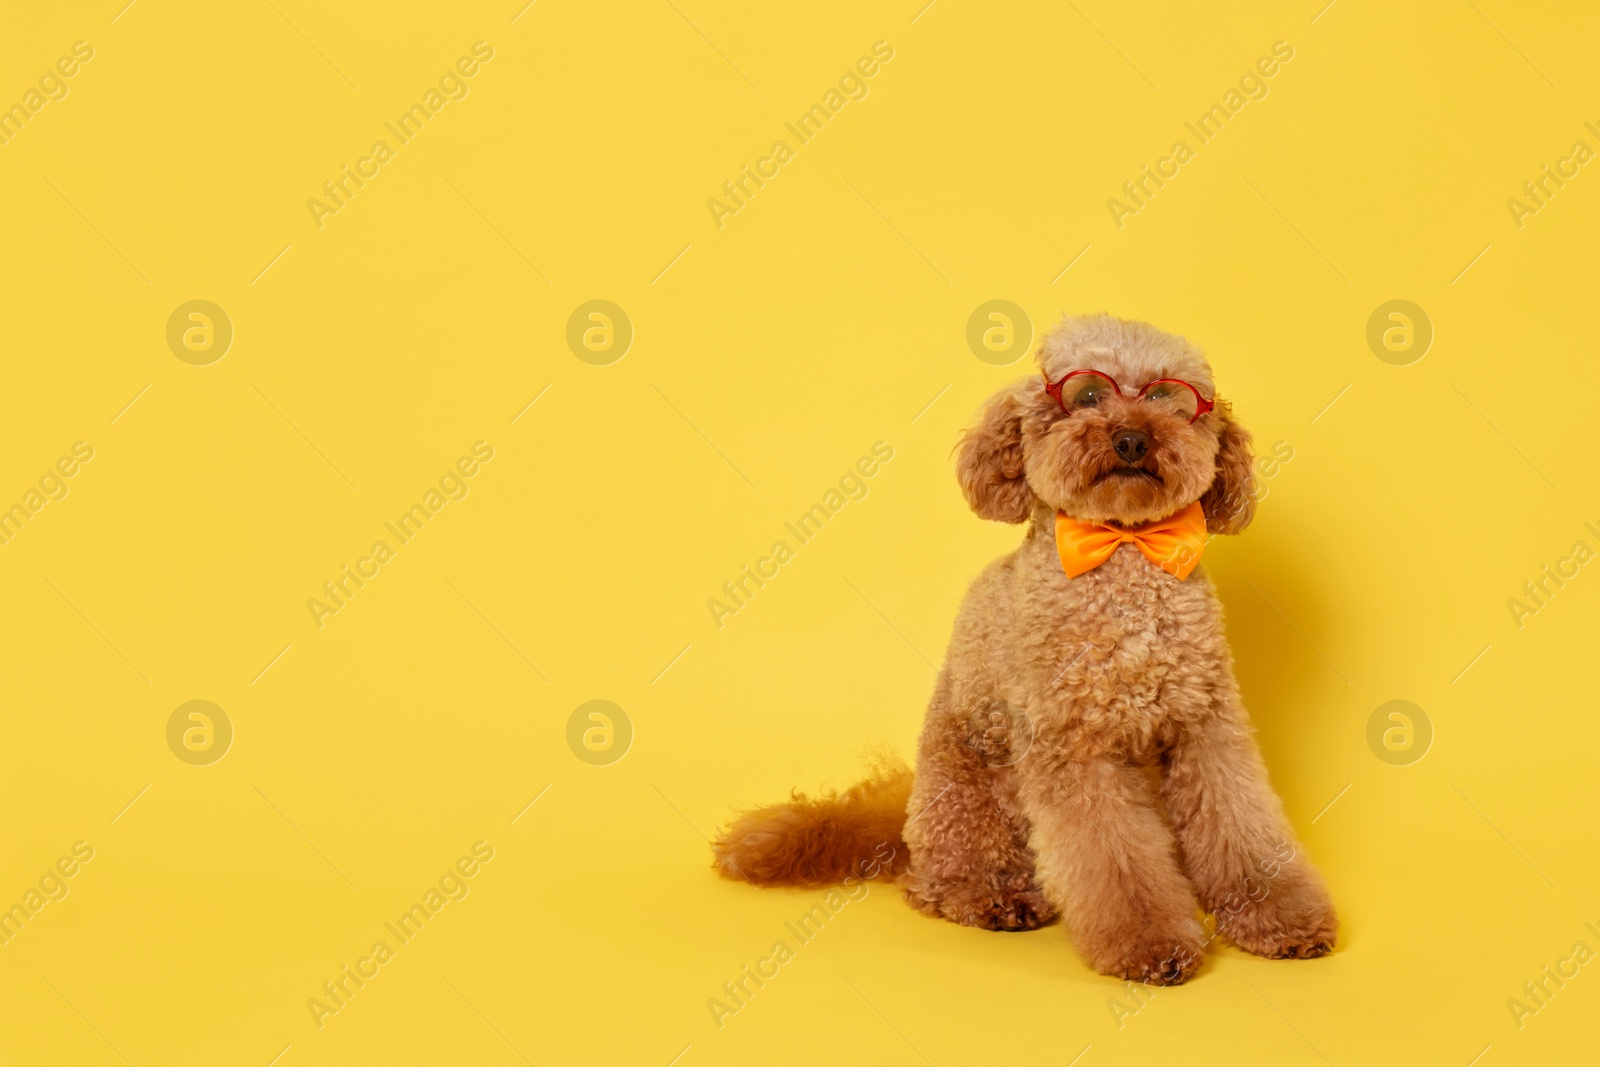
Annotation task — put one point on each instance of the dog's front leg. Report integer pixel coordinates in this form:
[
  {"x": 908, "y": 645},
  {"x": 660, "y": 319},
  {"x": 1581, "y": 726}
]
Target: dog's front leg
[
  {"x": 1106, "y": 860},
  {"x": 1237, "y": 846}
]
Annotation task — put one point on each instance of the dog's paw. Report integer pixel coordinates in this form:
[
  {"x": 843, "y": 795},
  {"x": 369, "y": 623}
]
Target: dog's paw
[
  {"x": 983, "y": 906},
  {"x": 1285, "y": 926},
  {"x": 1268, "y": 935},
  {"x": 1027, "y": 910},
  {"x": 1158, "y": 957}
]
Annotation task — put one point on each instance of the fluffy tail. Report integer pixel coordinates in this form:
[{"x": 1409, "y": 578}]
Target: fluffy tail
[{"x": 823, "y": 841}]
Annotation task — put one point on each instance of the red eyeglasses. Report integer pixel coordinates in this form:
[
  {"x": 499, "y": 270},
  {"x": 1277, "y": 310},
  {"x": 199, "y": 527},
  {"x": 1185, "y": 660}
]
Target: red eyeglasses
[{"x": 1088, "y": 388}]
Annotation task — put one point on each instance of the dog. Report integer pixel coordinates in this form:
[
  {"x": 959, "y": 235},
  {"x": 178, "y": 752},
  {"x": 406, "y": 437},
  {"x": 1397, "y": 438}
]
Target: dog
[{"x": 1086, "y": 754}]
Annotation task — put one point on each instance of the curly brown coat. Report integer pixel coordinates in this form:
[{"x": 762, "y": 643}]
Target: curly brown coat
[{"x": 1086, "y": 752}]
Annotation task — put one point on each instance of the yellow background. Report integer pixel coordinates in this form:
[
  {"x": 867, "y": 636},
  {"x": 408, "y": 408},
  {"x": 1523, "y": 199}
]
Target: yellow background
[{"x": 768, "y": 355}]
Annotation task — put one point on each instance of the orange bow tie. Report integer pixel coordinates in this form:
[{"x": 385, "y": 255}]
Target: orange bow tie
[{"x": 1174, "y": 543}]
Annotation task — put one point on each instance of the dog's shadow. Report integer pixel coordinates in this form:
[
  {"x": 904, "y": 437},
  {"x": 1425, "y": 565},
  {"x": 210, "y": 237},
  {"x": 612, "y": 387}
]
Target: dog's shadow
[
  {"x": 1045, "y": 954},
  {"x": 1276, "y": 627}
]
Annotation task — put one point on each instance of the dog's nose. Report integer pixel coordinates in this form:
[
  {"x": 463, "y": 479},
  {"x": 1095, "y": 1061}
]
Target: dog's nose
[{"x": 1131, "y": 445}]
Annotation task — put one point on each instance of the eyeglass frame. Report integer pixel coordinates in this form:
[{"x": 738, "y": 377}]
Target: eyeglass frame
[{"x": 1202, "y": 405}]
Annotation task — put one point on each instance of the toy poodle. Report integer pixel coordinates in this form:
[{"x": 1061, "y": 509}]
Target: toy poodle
[{"x": 1086, "y": 753}]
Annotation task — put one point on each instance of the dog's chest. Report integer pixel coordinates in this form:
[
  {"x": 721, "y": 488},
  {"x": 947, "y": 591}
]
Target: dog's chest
[{"x": 1132, "y": 645}]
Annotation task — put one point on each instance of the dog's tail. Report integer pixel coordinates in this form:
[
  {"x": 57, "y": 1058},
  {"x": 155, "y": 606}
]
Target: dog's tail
[{"x": 822, "y": 841}]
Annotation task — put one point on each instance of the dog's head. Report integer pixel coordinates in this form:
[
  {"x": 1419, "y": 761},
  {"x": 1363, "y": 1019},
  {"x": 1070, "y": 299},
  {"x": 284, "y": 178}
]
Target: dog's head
[{"x": 1109, "y": 454}]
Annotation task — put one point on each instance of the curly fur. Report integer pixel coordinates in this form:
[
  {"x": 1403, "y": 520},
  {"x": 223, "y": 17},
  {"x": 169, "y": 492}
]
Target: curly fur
[
  {"x": 820, "y": 842},
  {"x": 1139, "y": 796}
]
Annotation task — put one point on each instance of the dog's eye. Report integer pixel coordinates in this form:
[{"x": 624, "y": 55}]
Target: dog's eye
[
  {"x": 1172, "y": 398},
  {"x": 1088, "y": 394}
]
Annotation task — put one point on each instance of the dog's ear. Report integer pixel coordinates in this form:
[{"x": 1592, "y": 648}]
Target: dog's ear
[
  {"x": 1230, "y": 503},
  {"x": 989, "y": 460}
]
